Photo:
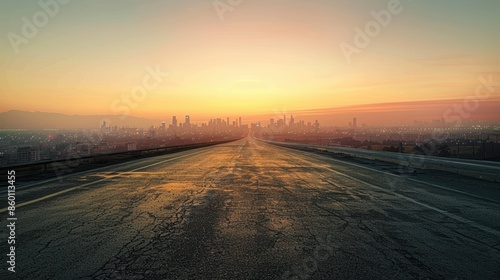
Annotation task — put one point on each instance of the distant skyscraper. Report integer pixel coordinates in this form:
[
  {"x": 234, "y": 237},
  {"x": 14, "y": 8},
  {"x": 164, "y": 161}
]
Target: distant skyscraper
[
  {"x": 239, "y": 121},
  {"x": 227, "y": 123},
  {"x": 281, "y": 123},
  {"x": 292, "y": 121},
  {"x": 163, "y": 125},
  {"x": 187, "y": 121},
  {"x": 271, "y": 122},
  {"x": 174, "y": 121},
  {"x": 284, "y": 119},
  {"x": 354, "y": 125}
]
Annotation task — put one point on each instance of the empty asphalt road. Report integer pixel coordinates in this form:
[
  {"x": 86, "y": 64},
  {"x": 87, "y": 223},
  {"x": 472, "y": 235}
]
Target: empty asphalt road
[{"x": 251, "y": 210}]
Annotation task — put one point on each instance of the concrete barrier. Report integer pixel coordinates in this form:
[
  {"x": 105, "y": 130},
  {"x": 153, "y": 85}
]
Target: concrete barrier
[
  {"x": 484, "y": 170},
  {"x": 75, "y": 164}
]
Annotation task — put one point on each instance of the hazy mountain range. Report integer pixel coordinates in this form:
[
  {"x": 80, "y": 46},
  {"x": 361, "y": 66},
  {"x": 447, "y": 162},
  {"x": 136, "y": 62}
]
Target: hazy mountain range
[{"x": 15, "y": 119}]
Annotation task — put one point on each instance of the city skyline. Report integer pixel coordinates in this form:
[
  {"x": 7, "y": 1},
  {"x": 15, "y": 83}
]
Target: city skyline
[
  {"x": 250, "y": 139},
  {"x": 485, "y": 112}
]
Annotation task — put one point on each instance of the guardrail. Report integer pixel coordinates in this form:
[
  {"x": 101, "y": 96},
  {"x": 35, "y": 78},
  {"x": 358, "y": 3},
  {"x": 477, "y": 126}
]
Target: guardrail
[
  {"x": 80, "y": 163},
  {"x": 485, "y": 170}
]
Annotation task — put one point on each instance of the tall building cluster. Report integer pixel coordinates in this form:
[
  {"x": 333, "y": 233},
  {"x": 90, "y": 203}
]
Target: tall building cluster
[{"x": 213, "y": 125}]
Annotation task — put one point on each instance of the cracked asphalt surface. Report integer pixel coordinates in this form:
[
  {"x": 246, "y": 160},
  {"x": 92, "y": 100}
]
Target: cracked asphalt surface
[{"x": 251, "y": 210}]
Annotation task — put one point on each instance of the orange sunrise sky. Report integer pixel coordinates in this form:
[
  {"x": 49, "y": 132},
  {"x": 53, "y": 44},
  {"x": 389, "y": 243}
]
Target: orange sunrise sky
[{"x": 241, "y": 59}]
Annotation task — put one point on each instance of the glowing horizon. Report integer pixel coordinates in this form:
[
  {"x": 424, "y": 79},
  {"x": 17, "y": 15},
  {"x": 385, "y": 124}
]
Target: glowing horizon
[{"x": 257, "y": 58}]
